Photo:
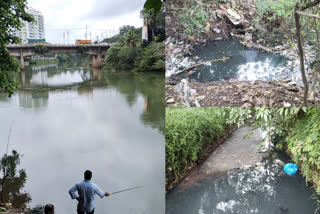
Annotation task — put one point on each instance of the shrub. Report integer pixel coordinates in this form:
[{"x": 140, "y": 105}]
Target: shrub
[
  {"x": 188, "y": 132},
  {"x": 41, "y": 49},
  {"x": 121, "y": 57},
  {"x": 151, "y": 58}
]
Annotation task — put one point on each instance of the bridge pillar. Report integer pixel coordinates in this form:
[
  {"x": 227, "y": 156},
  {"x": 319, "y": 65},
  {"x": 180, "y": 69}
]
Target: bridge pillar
[
  {"x": 97, "y": 60},
  {"x": 21, "y": 63}
]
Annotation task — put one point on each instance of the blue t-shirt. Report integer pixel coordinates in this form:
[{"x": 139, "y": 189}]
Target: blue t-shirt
[{"x": 86, "y": 191}]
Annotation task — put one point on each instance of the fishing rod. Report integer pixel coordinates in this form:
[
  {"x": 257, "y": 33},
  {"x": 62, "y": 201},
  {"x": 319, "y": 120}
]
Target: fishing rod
[{"x": 125, "y": 190}]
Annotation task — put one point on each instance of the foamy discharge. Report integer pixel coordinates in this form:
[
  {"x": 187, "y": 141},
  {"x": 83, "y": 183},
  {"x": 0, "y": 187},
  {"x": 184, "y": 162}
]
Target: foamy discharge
[{"x": 261, "y": 70}]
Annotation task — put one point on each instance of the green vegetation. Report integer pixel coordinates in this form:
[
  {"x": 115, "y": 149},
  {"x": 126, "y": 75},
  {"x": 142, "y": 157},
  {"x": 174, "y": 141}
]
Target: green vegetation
[
  {"x": 189, "y": 131},
  {"x": 41, "y": 49},
  {"x": 304, "y": 144},
  {"x": 130, "y": 52},
  {"x": 73, "y": 59},
  {"x": 42, "y": 61},
  {"x": 297, "y": 130},
  {"x": 13, "y": 182},
  {"x": 12, "y": 15},
  {"x": 195, "y": 18},
  {"x": 274, "y": 21}
]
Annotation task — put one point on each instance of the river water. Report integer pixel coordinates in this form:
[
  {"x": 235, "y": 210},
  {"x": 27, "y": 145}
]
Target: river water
[
  {"x": 67, "y": 120},
  {"x": 245, "y": 64},
  {"x": 263, "y": 188}
]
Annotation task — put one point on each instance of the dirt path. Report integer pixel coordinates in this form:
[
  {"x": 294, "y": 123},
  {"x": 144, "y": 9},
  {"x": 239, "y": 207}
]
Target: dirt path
[{"x": 238, "y": 150}]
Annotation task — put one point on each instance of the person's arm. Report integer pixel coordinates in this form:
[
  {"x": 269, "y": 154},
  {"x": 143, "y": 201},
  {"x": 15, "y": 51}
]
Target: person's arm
[
  {"x": 72, "y": 192},
  {"x": 99, "y": 192}
]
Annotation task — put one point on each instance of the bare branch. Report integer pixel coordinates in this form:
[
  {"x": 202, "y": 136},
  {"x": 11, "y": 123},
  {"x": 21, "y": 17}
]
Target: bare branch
[{"x": 308, "y": 15}]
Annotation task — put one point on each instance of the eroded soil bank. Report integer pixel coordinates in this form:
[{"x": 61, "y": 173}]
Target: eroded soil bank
[{"x": 235, "y": 94}]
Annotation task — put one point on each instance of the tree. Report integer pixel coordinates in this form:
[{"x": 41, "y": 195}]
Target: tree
[
  {"x": 13, "y": 182},
  {"x": 156, "y": 5},
  {"x": 300, "y": 7},
  {"x": 131, "y": 38},
  {"x": 12, "y": 15}
]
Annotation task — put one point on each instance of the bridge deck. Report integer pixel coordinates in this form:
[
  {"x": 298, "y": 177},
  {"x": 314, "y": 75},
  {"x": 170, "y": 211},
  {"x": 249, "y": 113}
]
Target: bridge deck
[{"x": 13, "y": 46}]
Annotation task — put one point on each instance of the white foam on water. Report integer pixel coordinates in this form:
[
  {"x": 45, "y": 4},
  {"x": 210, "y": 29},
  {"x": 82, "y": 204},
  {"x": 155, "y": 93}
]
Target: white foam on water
[
  {"x": 261, "y": 70},
  {"x": 227, "y": 206}
]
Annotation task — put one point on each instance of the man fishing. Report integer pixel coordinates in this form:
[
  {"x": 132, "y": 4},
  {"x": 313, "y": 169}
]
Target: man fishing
[{"x": 86, "y": 192}]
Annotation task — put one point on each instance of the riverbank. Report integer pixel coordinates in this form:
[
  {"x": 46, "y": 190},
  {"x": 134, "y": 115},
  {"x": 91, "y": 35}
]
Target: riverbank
[
  {"x": 238, "y": 149},
  {"x": 36, "y": 62},
  {"x": 191, "y": 136},
  {"x": 235, "y": 94}
]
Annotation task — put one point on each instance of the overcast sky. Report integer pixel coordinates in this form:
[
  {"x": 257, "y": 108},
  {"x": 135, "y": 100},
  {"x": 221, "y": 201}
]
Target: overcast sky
[{"x": 103, "y": 17}]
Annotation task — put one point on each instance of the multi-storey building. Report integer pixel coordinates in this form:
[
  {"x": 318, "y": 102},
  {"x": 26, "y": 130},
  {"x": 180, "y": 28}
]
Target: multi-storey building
[{"x": 33, "y": 30}]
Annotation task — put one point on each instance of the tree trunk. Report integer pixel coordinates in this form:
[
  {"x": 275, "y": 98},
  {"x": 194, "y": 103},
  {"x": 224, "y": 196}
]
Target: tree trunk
[{"x": 301, "y": 55}]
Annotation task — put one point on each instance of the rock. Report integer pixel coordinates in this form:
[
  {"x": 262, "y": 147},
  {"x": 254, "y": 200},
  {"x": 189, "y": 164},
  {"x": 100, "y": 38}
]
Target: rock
[
  {"x": 248, "y": 37},
  {"x": 207, "y": 28},
  {"x": 216, "y": 30},
  {"x": 201, "y": 97},
  {"x": 233, "y": 17},
  {"x": 286, "y": 104},
  {"x": 171, "y": 100}
]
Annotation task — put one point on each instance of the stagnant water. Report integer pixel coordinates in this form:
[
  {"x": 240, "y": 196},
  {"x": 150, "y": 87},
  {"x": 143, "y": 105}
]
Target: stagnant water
[
  {"x": 245, "y": 64},
  {"x": 67, "y": 120},
  {"x": 262, "y": 189}
]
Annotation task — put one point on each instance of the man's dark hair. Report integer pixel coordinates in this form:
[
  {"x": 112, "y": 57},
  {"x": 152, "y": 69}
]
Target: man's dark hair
[
  {"x": 87, "y": 175},
  {"x": 49, "y": 208}
]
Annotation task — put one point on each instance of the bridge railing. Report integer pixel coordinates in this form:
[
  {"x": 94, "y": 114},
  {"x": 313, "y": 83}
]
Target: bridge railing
[{"x": 58, "y": 45}]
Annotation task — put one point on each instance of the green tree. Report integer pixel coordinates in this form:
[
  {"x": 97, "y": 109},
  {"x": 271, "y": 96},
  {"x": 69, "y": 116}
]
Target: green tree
[
  {"x": 12, "y": 181},
  {"x": 12, "y": 15},
  {"x": 156, "y": 5},
  {"x": 131, "y": 38}
]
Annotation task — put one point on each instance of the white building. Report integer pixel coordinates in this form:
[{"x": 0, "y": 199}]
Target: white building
[{"x": 32, "y": 30}]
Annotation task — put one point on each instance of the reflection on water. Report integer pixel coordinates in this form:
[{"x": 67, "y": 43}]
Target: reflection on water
[
  {"x": 69, "y": 120},
  {"x": 245, "y": 64},
  {"x": 264, "y": 188}
]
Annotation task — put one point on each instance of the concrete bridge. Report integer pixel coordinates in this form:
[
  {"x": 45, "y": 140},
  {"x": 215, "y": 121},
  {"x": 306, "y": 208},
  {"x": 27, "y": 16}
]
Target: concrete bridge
[{"x": 97, "y": 51}]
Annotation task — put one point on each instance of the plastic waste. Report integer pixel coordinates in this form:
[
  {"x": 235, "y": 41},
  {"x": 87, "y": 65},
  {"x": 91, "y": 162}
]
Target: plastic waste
[
  {"x": 3, "y": 209},
  {"x": 290, "y": 168}
]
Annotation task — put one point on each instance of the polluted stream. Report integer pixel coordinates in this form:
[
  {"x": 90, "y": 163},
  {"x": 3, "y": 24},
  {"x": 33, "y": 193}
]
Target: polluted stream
[
  {"x": 67, "y": 120},
  {"x": 245, "y": 64},
  {"x": 262, "y": 188}
]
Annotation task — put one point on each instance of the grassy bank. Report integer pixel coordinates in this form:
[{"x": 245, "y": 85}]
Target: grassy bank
[
  {"x": 296, "y": 130},
  {"x": 43, "y": 61},
  {"x": 189, "y": 133},
  {"x": 304, "y": 146}
]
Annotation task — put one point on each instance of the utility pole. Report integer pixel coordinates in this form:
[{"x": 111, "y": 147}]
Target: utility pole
[
  {"x": 90, "y": 35},
  {"x": 64, "y": 38},
  {"x": 68, "y": 36},
  {"x": 86, "y": 32}
]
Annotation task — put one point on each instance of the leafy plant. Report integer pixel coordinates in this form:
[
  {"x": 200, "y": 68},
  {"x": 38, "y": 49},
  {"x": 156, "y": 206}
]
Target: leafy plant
[
  {"x": 188, "y": 132},
  {"x": 12, "y": 15},
  {"x": 41, "y": 49},
  {"x": 194, "y": 18}
]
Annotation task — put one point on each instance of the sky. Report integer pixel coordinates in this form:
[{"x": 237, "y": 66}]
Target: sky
[{"x": 102, "y": 17}]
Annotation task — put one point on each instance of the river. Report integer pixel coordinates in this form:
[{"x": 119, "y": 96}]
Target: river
[
  {"x": 67, "y": 120},
  {"x": 245, "y": 64},
  {"x": 230, "y": 182}
]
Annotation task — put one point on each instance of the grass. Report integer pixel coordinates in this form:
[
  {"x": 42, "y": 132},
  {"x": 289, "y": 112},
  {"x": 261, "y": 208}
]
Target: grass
[{"x": 188, "y": 132}]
